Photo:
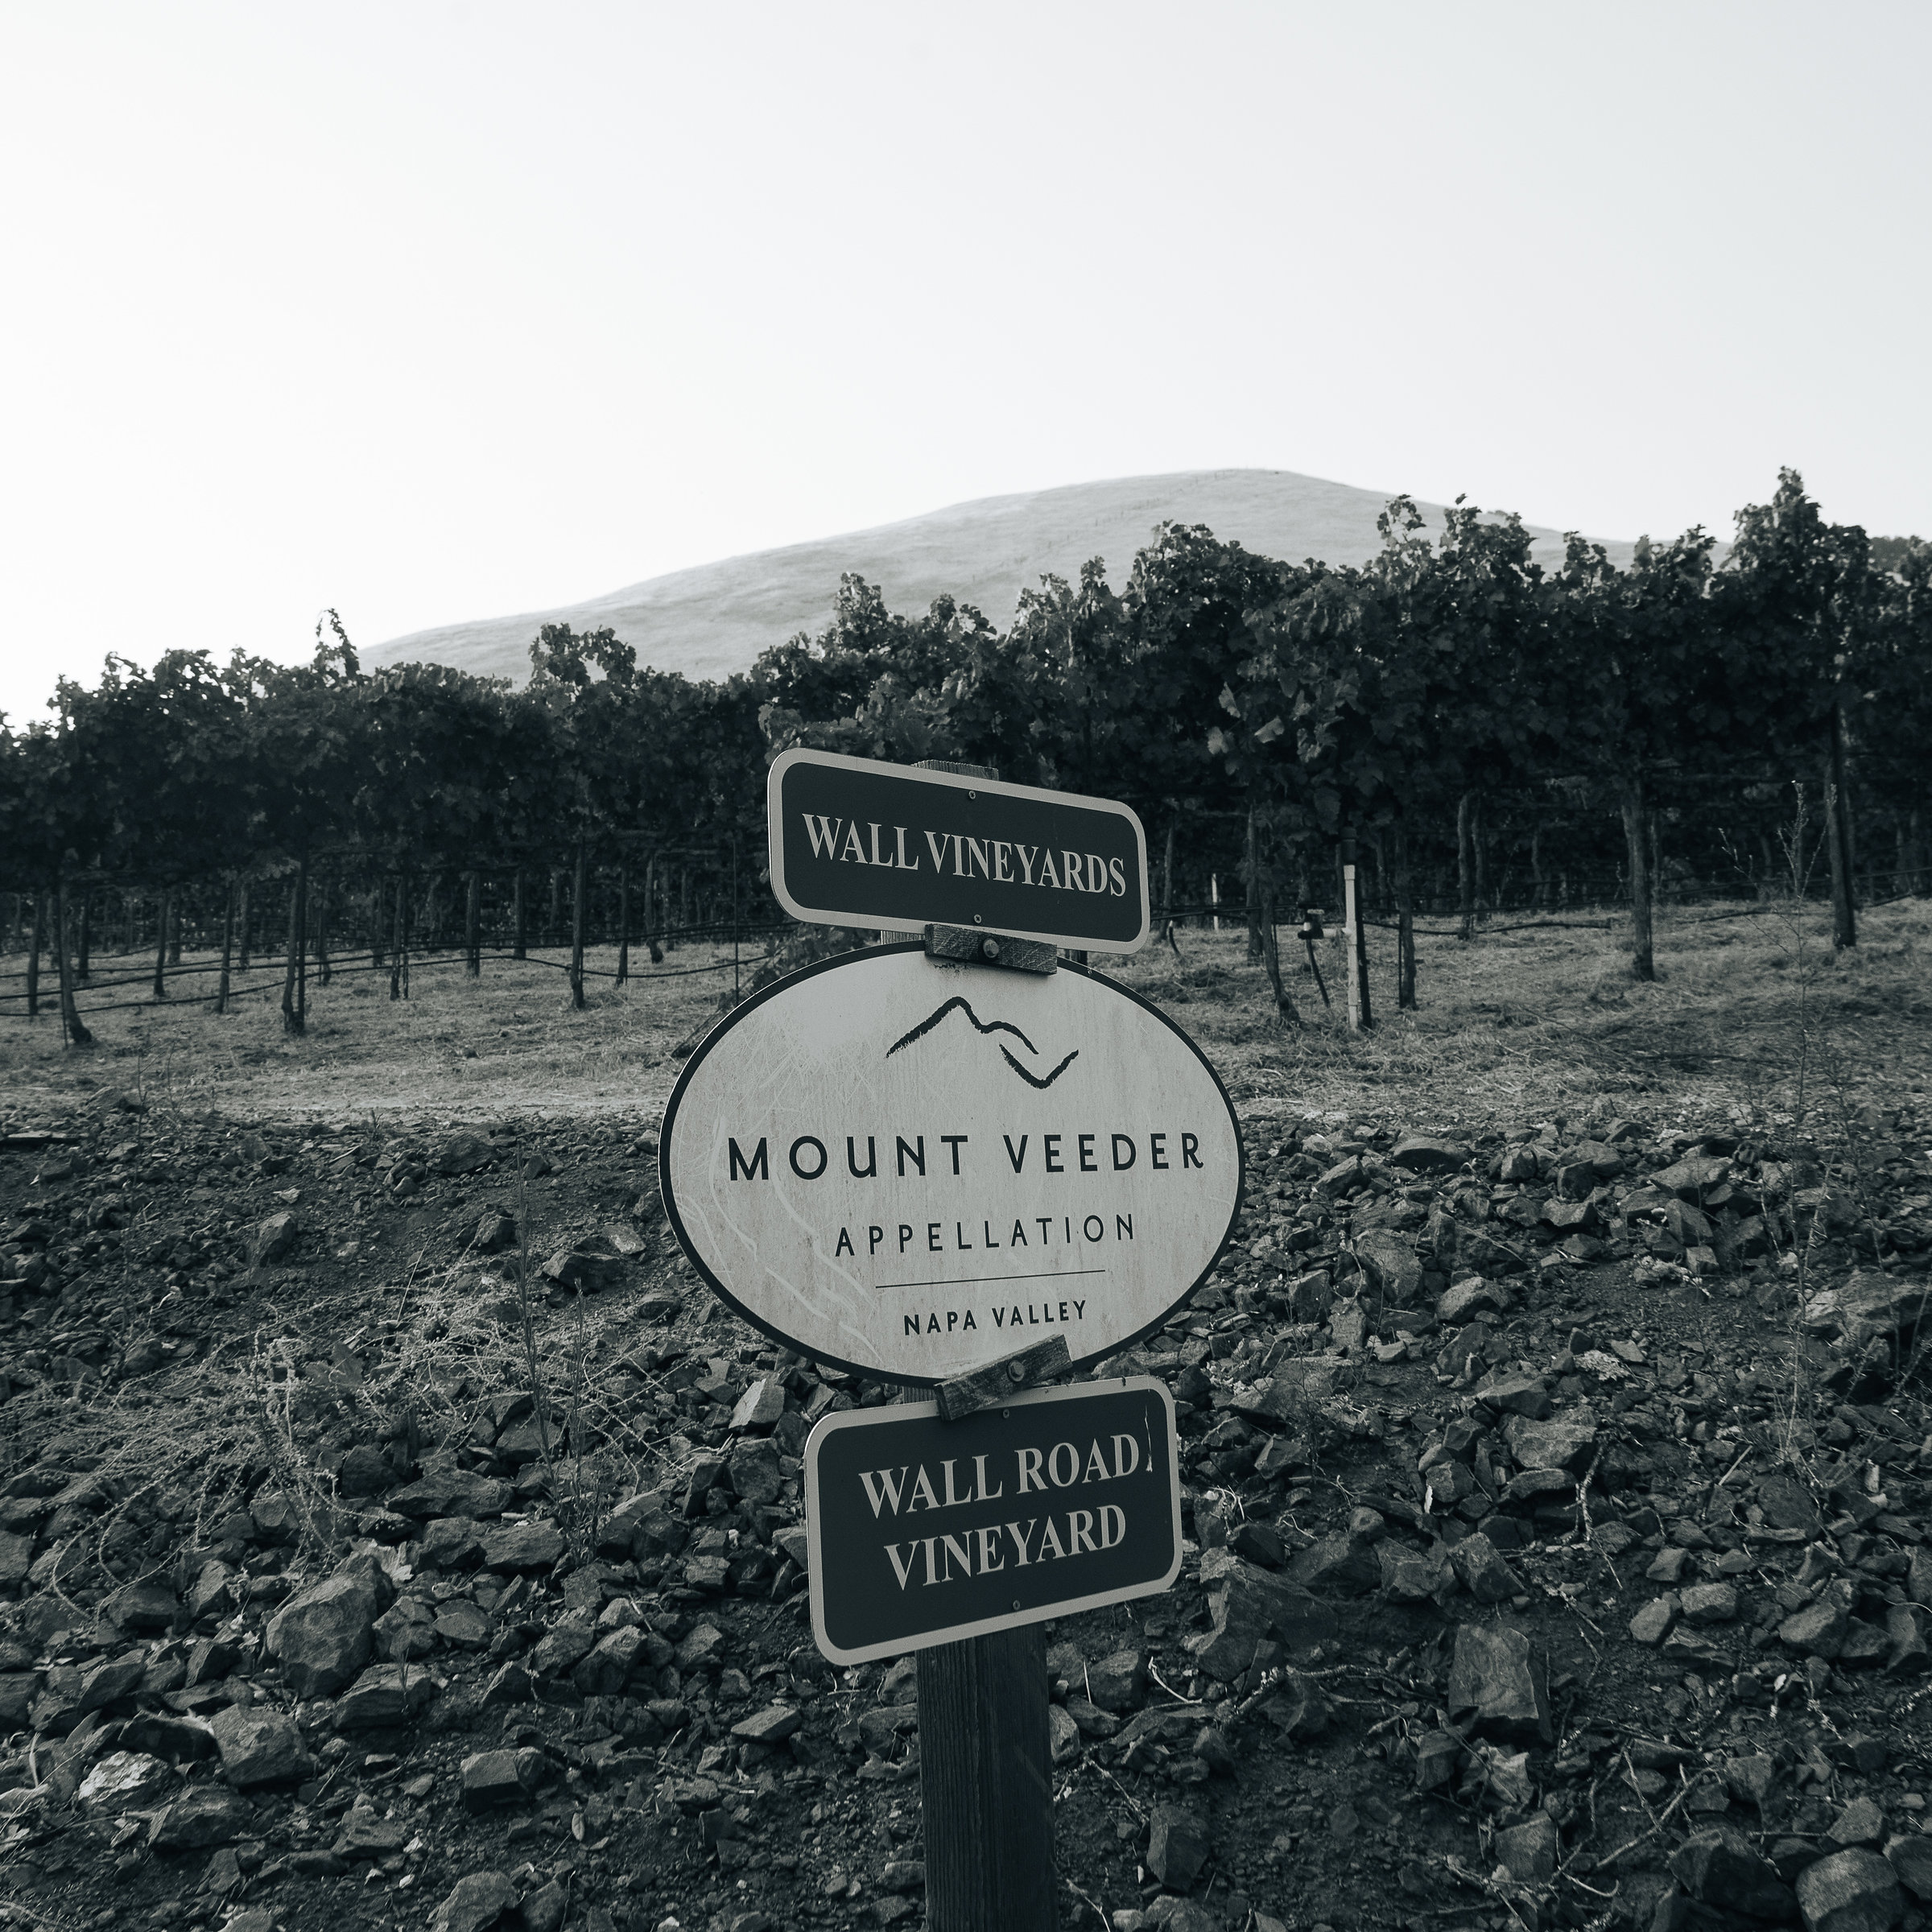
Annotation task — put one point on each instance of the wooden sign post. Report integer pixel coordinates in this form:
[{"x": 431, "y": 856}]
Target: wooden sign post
[
  {"x": 962, "y": 1166},
  {"x": 985, "y": 1785},
  {"x": 956, "y": 1538},
  {"x": 1354, "y": 940}
]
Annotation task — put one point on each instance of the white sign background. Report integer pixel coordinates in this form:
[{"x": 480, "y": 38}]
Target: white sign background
[{"x": 1082, "y": 1163}]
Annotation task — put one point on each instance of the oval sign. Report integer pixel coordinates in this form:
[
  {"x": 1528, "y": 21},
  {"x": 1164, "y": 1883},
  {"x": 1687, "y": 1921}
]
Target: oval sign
[{"x": 910, "y": 1167}]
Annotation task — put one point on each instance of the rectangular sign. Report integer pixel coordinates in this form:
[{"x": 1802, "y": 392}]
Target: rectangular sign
[
  {"x": 922, "y": 1532},
  {"x": 859, "y": 842}
]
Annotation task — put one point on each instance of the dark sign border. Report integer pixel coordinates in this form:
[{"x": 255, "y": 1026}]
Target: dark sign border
[
  {"x": 668, "y": 1127},
  {"x": 943, "y": 780},
  {"x": 860, "y": 1418}
]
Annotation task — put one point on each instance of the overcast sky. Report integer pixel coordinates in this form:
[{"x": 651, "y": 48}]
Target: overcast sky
[{"x": 445, "y": 310}]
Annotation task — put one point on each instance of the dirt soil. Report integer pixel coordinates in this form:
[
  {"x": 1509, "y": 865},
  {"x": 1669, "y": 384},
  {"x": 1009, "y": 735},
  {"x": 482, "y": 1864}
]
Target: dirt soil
[{"x": 1557, "y": 1491}]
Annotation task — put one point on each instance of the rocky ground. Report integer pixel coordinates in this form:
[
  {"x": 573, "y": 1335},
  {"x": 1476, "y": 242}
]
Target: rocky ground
[{"x": 1557, "y": 1498}]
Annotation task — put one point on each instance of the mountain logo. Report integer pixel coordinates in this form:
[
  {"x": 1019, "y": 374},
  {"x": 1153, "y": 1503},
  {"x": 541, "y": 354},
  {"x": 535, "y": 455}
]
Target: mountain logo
[{"x": 986, "y": 1026}]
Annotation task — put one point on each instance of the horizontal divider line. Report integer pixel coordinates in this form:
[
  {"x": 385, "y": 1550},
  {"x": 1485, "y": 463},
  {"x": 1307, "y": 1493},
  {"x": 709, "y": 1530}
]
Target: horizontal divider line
[{"x": 975, "y": 1281}]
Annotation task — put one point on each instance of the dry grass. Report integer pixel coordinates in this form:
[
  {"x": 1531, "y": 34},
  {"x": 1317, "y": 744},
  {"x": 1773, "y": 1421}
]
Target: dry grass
[
  {"x": 507, "y": 1043},
  {"x": 1751, "y": 1011},
  {"x": 188, "y": 1445},
  {"x": 1754, "y": 1018}
]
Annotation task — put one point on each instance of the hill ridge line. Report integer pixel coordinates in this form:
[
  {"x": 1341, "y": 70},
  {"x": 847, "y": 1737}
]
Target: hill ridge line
[{"x": 711, "y": 620}]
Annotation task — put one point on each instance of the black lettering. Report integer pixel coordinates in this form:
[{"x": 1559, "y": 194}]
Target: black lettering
[
  {"x": 1157, "y": 1150},
  {"x": 1189, "y": 1143},
  {"x": 1123, "y": 1227},
  {"x": 956, "y": 1142},
  {"x": 844, "y": 1246},
  {"x": 932, "y": 1237},
  {"x": 917, "y": 1155},
  {"x": 1050, "y": 1148},
  {"x": 1094, "y": 1229},
  {"x": 808, "y": 1140},
  {"x": 874, "y": 1236},
  {"x": 1088, "y": 1164},
  {"x": 757, "y": 1169},
  {"x": 1120, "y": 1140},
  {"x": 1016, "y": 1158},
  {"x": 872, "y": 1158}
]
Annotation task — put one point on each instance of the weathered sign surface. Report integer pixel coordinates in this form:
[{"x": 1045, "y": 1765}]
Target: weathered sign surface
[
  {"x": 907, "y": 1166},
  {"x": 920, "y": 1532},
  {"x": 858, "y": 842}
]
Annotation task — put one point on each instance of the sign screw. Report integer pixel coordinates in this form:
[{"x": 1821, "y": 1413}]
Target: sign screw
[
  {"x": 977, "y": 920},
  {"x": 989, "y": 949},
  {"x": 1016, "y": 1603}
]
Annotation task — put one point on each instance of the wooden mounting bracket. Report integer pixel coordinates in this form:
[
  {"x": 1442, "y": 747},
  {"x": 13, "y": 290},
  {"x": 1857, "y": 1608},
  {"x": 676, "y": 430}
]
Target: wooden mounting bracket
[
  {"x": 987, "y": 1387},
  {"x": 975, "y": 948}
]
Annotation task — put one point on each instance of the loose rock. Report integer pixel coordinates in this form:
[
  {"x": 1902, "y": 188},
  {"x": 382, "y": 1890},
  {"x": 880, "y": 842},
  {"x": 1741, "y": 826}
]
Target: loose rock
[{"x": 1851, "y": 1891}]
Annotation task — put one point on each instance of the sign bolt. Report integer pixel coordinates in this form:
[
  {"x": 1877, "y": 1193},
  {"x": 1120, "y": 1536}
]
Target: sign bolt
[
  {"x": 989, "y": 949},
  {"x": 1017, "y": 1370},
  {"x": 977, "y": 920}
]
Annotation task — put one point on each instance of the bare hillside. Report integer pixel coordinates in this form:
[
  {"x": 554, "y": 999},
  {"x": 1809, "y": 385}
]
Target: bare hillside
[{"x": 715, "y": 618}]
